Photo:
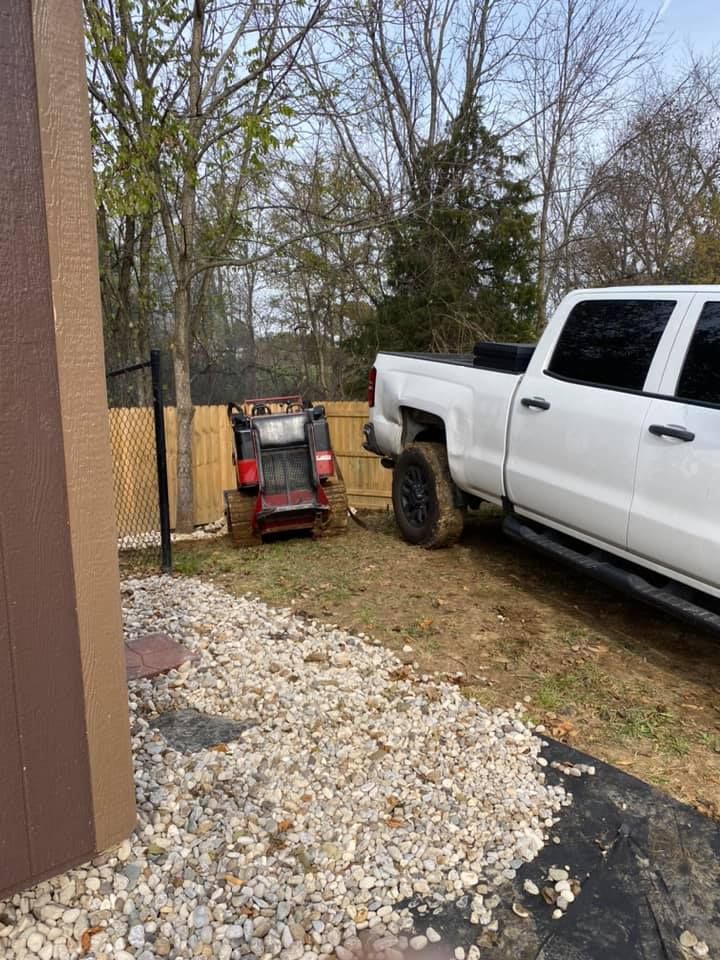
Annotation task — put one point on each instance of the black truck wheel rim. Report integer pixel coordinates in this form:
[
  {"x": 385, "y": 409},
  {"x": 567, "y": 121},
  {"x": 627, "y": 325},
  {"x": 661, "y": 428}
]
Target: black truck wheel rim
[{"x": 415, "y": 496}]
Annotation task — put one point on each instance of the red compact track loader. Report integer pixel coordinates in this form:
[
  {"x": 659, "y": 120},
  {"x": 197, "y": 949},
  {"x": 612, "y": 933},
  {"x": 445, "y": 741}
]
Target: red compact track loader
[{"x": 287, "y": 474}]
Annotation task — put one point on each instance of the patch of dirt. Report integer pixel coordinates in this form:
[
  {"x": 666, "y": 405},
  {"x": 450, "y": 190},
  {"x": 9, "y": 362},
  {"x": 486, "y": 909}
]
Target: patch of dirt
[{"x": 605, "y": 673}]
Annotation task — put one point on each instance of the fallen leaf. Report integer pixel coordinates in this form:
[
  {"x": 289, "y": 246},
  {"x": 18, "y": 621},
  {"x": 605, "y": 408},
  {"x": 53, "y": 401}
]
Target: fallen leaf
[
  {"x": 233, "y": 880},
  {"x": 86, "y": 937},
  {"x": 220, "y": 748},
  {"x": 708, "y": 807},
  {"x": 400, "y": 673},
  {"x": 563, "y": 730},
  {"x": 155, "y": 850},
  {"x": 316, "y": 656},
  {"x": 598, "y": 648}
]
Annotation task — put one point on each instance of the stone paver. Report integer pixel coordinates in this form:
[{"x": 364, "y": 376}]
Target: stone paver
[{"x": 153, "y": 654}]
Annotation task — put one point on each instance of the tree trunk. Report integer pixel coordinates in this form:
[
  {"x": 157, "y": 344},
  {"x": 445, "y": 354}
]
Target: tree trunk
[
  {"x": 182, "y": 267},
  {"x": 543, "y": 240},
  {"x": 250, "y": 368},
  {"x": 184, "y": 410}
]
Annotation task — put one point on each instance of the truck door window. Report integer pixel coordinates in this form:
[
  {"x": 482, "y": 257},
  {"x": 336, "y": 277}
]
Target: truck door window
[
  {"x": 610, "y": 343},
  {"x": 700, "y": 377}
]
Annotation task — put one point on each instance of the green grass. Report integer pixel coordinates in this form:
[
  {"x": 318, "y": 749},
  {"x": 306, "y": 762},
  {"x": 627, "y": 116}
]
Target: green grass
[
  {"x": 577, "y": 636},
  {"x": 188, "y": 564},
  {"x": 676, "y": 743},
  {"x": 577, "y": 687},
  {"x": 589, "y": 687},
  {"x": 297, "y": 568},
  {"x": 652, "y": 724},
  {"x": 710, "y": 740},
  {"x": 638, "y": 722}
]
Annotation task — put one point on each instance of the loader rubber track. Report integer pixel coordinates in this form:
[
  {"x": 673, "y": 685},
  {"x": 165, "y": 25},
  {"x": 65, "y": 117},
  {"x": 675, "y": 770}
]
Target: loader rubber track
[
  {"x": 239, "y": 509},
  {"x": 337, "y": 520}
]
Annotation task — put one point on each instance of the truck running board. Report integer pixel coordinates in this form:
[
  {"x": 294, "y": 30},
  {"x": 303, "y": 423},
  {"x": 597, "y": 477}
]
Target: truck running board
[{"x": 668, "y": 595}]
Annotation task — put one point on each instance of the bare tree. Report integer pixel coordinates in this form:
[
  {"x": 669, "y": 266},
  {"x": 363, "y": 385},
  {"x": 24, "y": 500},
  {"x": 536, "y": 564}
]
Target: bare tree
[
  {"x": 575, "y": 70},
  {"x": 654, "y": 192},
  {"x": 176, "y": 84},
  {"x": 395, "y": 78}
]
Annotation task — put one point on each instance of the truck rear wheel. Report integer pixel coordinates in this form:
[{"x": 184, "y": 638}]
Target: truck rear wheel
[
  {"x": 239, "y": 509},
  {"x": 424, "y": 496}
]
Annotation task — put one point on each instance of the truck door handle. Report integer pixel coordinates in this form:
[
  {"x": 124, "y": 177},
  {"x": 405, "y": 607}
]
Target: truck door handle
[
  {"x": 677, "y": 433},
  {"x": 536, "y": 402}
]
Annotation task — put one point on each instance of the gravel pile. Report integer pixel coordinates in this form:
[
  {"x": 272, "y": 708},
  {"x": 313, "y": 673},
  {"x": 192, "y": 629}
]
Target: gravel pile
[
  {"x": 354, "y": 789},
  {"x": 151, "y": 538}
]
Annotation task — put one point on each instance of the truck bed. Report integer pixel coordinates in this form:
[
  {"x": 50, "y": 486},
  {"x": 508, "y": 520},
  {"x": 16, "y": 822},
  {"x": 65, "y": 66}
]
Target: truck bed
[
  {"x": 457, "y": 359},
  {"x": 487, "y": 355}
]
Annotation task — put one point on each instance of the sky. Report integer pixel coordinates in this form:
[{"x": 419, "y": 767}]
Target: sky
[{"x": 694, "y": 23}]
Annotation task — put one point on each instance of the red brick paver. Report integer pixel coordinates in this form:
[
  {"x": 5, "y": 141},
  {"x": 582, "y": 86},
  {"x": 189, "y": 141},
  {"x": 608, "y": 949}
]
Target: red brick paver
[{"x": 153, "y": 654}]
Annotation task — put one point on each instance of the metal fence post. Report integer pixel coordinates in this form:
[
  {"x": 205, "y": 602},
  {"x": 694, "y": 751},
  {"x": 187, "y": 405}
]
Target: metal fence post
[{"x": 163, "y": 501}]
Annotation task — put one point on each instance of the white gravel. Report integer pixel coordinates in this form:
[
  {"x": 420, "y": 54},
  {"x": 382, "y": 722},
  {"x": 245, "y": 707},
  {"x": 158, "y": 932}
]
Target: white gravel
[
  {"x": 141, "y": 540},
  {"x": 355, "y": 790}
]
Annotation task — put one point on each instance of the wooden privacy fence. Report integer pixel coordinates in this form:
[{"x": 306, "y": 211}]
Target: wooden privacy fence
[{"x": 368, "y": 483}]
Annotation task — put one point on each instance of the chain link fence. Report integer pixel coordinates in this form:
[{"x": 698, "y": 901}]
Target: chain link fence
[{"x": 137, "y": 439}]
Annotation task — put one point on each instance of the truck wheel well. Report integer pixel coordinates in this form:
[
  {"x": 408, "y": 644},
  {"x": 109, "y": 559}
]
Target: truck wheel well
[
  {"x": 420, "y": 426},
  {"x": 430, "y": 435}
]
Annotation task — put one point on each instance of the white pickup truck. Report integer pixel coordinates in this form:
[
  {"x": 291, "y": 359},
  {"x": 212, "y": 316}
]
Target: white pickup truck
[{"x": 601, "y": 443}]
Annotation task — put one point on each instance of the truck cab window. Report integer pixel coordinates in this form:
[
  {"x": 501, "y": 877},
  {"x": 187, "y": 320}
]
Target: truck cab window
[
  {"x": 610, "y": 343},
  {"x": 700, "y": 377}
]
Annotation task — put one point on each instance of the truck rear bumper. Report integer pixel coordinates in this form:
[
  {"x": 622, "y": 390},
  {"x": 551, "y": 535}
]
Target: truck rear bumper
[
  {"x": 371, "y": 445},
  {"x": 370, "y": 442}
]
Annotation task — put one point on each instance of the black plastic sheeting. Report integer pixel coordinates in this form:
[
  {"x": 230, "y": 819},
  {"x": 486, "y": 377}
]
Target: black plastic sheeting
[
  {"x": 649, "y": 868},
  {"x": 189, "y": 730}
]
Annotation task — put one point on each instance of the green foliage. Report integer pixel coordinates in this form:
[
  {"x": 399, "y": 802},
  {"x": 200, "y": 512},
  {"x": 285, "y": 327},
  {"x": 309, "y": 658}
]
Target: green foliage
[
  {"x": 703, "y": 262},
  {"x": 461, "y": 259},
  {"x": 146, "y": 138},
  {"x": 326, "y": 277}
]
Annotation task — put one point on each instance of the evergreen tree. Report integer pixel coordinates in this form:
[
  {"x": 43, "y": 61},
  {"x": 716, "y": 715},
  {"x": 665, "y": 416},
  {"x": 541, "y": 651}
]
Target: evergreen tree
[{"x": 461, "y": 260}]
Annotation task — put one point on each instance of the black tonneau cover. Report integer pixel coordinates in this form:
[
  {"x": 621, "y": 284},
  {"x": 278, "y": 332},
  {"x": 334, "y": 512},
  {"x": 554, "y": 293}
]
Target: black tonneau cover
[
  {"x": 507, "y": 357},
  {"x": 458, "y": 359},
  {"x": 501, "y": 357}
]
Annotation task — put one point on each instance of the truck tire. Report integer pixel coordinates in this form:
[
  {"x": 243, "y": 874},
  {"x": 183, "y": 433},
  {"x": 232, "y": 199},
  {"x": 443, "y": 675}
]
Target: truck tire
[{"x": 423, "y": 496}]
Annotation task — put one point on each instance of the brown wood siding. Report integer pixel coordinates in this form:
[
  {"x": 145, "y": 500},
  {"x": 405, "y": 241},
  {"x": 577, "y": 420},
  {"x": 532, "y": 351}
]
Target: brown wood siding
[
  {"x": 70, "y": 205},
  {"x": 14, "y": 849},
  {"x": 37, "y": 595}
]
